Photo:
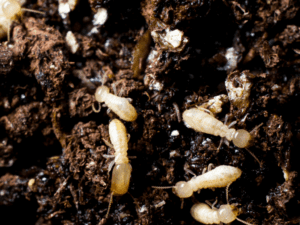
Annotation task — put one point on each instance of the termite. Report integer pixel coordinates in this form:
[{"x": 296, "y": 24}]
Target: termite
[
  {"x": 122, "y": 169},
  {"x": 10, "y": 10},
  {"x": 207, "y": 215},
  {"x": 221, "y": 176},
  {"x": 201, "y": 121},
  {"x": 210, "y": 215},
  {"x": 118, "y": 105}
]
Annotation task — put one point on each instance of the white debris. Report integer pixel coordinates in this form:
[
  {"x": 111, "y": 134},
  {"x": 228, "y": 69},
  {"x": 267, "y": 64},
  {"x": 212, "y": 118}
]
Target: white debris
[
  {"x": 214, "y": 105},
  {"x": 275, "y": 87},
  {"x": 239, "y": 94},
  {"x": 156, "y": 85},
  {"x": 100, "y": 17},
  {"x": 174, "y": 37},
  {"x": 63, "y": 10},
  {"x": 167, "y": 39},
  {"x": 72, "y": 42},
  {"x": 285, "y": 174},
  {"x": 206, "y": 141},
  {"x": 143, "y": 209},
  {"x": 174, "y": 133},
  {"x": 94, "y": 30},
  {"x": 160, "y": 204},
  {"x": 173, "y": 153},
  {"x": 232, "y": 57},
  {"x": 65, "y": 7},
  {"x": 152, "y": 55}
]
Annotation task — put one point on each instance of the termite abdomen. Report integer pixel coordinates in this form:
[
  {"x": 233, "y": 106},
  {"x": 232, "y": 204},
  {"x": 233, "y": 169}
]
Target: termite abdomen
[{"x": 121, "y": 178}]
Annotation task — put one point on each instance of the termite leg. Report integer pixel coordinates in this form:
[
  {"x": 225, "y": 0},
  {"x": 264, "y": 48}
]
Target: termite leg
[
  {"x": 242, "y": 221},
  {"x": 227, "y": 192},
  {"x": 110, "y": 166},
  {"x": 182, "y": 202},
  {"x": 226, "y": 142},
  {"x": 189, "y": 171},
  {"x": 205, "y": 110},
  {"x": 251, "y": 153},
  {"x": 210, "y": 166},
  {"x": 176, "y": 108},
  {"x": 109, "y": 206},
  {"x": 215, "y": 202},
  {"x": 96, "y": 110},
  {"x": 256, "y": 128}
]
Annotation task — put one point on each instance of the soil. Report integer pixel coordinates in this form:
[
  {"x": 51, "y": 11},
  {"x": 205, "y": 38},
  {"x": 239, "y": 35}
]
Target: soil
[{"x": 54, "y": 167}]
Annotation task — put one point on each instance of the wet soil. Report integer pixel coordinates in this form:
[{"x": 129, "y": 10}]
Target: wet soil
[{"x": 54, "y": 167}]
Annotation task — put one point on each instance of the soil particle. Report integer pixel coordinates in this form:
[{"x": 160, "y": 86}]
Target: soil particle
[
  {"x": 25, "y": 120},
  {"x": 6, "y": 59},
  {"x": 80, "y": 103},
  {"x": 12, "y": 187}
]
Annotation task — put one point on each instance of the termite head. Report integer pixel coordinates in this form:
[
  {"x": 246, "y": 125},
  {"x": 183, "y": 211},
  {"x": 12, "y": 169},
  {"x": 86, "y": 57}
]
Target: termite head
[
  {"x": 242, "y": 138},
  {"x": 101, "y": 93},
  {"x": 183, "y": 189},
  {"x": 227, "y": 213},
  {"x": 11, "y": 9}
]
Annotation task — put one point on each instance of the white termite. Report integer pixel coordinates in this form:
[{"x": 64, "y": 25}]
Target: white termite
[
  {"x": 201, "y": 121},
  {"x": 118, "y": 105},
  {"x": 207, "y": 215},
  {"x": 122, "y": 169},
  {"x": 10, "y": 11},
  {"x": 221, "y": 176}
]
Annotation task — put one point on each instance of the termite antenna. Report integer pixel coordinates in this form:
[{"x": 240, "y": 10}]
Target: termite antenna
[
  {"x": 251, "y": 153},
  {"x": 109, "y": 206},
  {"x": 244, "y": 222},
  {"x": 32, "y": 10},
  {"x": 221, "y": 142},
  {"x": 96, "y": 110},
  {"x": 161, "y": 187},
  {"x": 227, "y": 192}
]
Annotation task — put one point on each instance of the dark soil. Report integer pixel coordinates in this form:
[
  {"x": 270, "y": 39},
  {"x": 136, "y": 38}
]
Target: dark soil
[{"x": 53, "y": 164}]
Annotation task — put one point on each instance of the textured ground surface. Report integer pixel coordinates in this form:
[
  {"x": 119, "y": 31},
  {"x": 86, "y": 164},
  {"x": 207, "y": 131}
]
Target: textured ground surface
[{"x": 52, "y": 164}]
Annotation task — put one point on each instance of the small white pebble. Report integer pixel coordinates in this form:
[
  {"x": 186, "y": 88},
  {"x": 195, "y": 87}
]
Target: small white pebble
[
  {"x": 23, "y": 96},
  {"x": 232, "y": 59},
  {"x": 174, "y": 37},
  {"x": 267, "y": 198},
  {"x": 172, "y": 153},
  {"x": 174, "y": 133},
  {"x": 143, "y": 209},
  {"x": 63, "y": 10},
  {"x": 207, "y": 140},
  {"x": 100, "y": 17},
  {"x": 72, "y": 42},
  {"x": 275, "y": 87}
]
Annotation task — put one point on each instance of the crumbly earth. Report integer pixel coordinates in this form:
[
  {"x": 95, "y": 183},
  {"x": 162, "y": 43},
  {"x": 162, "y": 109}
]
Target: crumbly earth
[{"x": 54, "y": 167}]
